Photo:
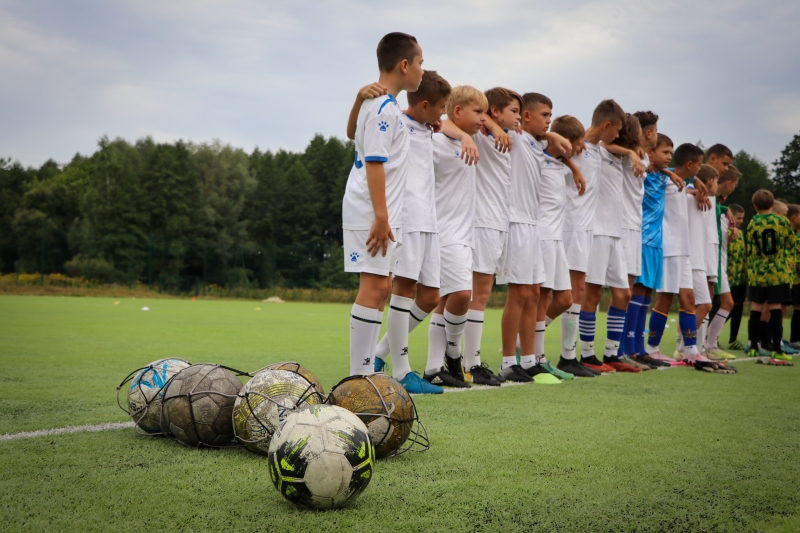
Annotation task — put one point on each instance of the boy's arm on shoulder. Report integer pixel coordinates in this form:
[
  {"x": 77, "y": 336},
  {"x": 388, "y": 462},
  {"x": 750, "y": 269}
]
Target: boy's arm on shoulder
[
  {"x": 638, "y": 166},
  {"x": 373, "y": 90},
  {"x": 580, "y": 182},
  {"x": 469, "y": 151},
  {"x": 677, "y": 180},
  {"x": 563, "y": 144},
  {"x": 502, "y": 140}
]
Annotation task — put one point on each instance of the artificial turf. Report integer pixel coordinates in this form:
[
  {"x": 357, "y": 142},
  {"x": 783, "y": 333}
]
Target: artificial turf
[{"x": 673, "y": 450}]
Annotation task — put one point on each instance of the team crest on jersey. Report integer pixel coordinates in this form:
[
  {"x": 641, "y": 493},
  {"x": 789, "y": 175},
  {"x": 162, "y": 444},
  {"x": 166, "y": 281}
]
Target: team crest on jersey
[
  {"x": 458, "y": 154},
  {"x": 411, "y": 131},
  {"x": 400, "y": 122},
  {"x": 382, "y": 125}
]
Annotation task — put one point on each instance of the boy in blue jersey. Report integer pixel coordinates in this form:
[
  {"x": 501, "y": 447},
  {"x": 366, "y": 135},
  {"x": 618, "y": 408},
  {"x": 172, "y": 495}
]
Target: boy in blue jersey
[{"x": 373, "y": 198}]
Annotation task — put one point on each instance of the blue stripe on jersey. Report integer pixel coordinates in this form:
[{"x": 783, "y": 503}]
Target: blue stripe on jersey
[
  {"x": 655, "y": 187},
  {"x": 389, "y": 99},
  {"x": 376, "y": 158},
  {"x": 357, "y": 162}
]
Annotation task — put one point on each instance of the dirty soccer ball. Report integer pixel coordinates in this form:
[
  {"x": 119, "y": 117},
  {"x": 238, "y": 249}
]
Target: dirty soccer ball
[
  {"x": 198, "y": 404},
  {"x": 384, "y": 406},
  {"x": 321, "y": 457},
  {"x": 297, "y": 369},
  {"x": 146, "y": 391},
  {"x": 265, "y": 401}
]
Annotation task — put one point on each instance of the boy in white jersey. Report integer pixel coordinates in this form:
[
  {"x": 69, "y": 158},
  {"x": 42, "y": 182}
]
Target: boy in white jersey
[
  {"x": 552, "y": 205},
  {"x": 493, "y": 183},
  {"x": 416, "y": 268},
  {"x": 523, "y": 269},
  {"x": 607, "y": 265},
  {"x": 455, "y": 212},
  {"x": 373, "y": 198}
]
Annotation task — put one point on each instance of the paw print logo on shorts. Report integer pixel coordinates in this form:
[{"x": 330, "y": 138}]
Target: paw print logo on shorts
[
  {"x": 382, "y": 125},
  {"x": 354, "y": 257}
]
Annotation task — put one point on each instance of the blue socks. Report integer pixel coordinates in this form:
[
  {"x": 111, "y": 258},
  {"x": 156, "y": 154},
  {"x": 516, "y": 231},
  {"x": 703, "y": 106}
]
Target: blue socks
[
  {"x": 614, "y": 330},
  {"x": 586, "y": 326},
  {"x": 657, "y": 322},
  {"x": 631, "y": 323},
  {"x": 640, "y": 323},
  {"x": 688, "y": 324}
]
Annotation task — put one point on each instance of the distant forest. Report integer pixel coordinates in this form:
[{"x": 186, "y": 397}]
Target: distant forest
[{"x": 213, "y": 213}]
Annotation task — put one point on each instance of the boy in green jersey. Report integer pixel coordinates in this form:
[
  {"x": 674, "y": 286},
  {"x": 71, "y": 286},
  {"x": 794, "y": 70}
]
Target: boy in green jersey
[
  {"x": 793, "y": 215},
  {"x": 769, "y": 270},
  {"x": 737, "y": 275}
]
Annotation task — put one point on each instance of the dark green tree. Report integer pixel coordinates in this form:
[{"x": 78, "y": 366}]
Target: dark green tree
[{"x": 787, "y": 172}]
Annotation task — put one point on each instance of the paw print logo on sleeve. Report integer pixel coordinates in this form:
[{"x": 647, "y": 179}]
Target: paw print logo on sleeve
[
  {"x": 383, "y": 125},
  {"x": 354, "y": 257}
]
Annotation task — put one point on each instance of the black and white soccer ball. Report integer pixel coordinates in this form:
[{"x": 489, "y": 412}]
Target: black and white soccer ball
[
  {"x": 265, "y": 401},
  {"x": 146, "y": 391},
  {"x": 321, "y": 457}
]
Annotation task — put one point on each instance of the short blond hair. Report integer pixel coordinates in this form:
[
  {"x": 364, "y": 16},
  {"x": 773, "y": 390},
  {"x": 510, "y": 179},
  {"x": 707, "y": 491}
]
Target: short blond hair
[
  {"x": 707, "y": 173},
  {"x": 463, "y": 95}
]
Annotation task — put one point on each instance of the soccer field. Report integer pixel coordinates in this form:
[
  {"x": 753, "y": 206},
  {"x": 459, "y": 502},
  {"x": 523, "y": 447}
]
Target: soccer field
[{"x": 671, "y": 450}]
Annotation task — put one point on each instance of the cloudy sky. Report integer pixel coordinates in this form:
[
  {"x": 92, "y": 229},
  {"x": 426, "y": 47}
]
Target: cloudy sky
[{"x": 272, "y": 74}]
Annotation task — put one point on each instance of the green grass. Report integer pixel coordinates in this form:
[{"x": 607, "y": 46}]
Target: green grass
[{"x": 674, "y": 450}]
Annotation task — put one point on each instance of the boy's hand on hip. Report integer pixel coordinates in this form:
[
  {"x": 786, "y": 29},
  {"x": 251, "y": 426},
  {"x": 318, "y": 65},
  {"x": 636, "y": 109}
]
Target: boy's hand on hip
[{"x": 379, "y": 236}]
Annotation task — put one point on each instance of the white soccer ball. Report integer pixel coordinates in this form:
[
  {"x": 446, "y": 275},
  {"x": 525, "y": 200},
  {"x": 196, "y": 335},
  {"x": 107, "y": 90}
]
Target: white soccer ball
[
  {"x": 265, "y": 401},
  {"x": 147, "y": 390},
  {"x": 321, "y": 457}
]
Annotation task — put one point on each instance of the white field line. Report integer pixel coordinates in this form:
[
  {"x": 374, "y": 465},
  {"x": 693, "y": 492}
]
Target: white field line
[
  {"x": 66, "y": 430},
  {"x": 127, "y": 425}
]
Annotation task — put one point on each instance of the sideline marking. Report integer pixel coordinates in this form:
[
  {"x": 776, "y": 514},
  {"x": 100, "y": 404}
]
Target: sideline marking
[{"x": 66, "y": 430}]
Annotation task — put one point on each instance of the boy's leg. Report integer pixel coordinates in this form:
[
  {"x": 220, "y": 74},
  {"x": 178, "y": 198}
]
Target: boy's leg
[
  {"x": 687, "y": 322},
  {"x": 397, "y": 325},
  {"x": 437, "y": 341},
  {"x": 365, "y": 322},
  {"x": 717, "y": 323},
  {"x": 481, "y": 290},
  {"x": 570, "y": 320},
  {"x": 739, "y": 294},
  {"x": 510, "y": 370}
]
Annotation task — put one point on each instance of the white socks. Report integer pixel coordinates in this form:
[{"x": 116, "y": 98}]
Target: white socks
[
  {"x": 365, "y": 326},
  {"x": 527, "y": 361},
  {"x": 397, "y": 330},
  {"x": 454, "y": 327},
  {"x": 538, "y": 341},
  {"x": 472, "y": 338},
  {"x": 415, "y": 317},
  {"x": 569, "y": 331},
  {"x": 715, "y": 328},
  {"x": 437, "y": 343},
  {"x": 702, "y": 330},
  {"x": 508, "y": 361}
]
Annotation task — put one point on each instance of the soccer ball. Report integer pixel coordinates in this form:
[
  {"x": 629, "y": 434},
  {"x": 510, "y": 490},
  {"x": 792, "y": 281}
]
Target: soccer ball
[
  {"x": 198, "y": 403},
  {"x": 146, "y": 391},
  {"x": 321, "y": 457},
  {"x": 265, "y": 401},
  {"x": 297, "y": 369},
  {"x": 383, "y": 404}
]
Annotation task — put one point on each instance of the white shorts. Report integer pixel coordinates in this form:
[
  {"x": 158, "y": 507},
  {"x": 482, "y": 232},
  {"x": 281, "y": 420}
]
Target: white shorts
[
  {"x": 607, "y": 263},
  {"x": 712, "y": 262},
  {"x": 556, "y": 271},
  {"x": 578, "y": 245},
  {"x": 418, "y": 258},
  {"x": 357, "y": 259},
  {"x": 456, "y": 271},
  {"x": 490, "y": 251},
  {"x": 632, "y": 244},
  {"x": 700, "y": 286},
  {"x": 523, "y": 265},
  {"x": 724, "y": 284},
  {"x": 677, "y": 274}
]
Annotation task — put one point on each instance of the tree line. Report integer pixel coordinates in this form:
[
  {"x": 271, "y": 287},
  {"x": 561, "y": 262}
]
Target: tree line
[{"x": 188, "y": 213}]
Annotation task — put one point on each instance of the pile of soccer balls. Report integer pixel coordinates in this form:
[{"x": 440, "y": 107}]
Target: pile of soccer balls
[{"x": 320, "y": 451}]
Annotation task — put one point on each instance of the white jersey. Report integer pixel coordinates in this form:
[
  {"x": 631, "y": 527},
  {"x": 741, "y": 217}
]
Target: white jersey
[
  {"x": 712, "y": 236},
  {"x": 697, "y": 233},
  {"x": 609, "y": 196},
  {"x": 492, "y": 184},
  {"x": 632, "y": 194},
  {"x": 553, "y": 198},
  {"x": 675, "y": 237},
  {"x": 724, "y": 225},
  {"x": 419, "y": 202},
  {"x": 455, "y": 192},
  {"x": 580, "y": 209},
  {"x": 381, "y": 136},
  {"x": 527, "y": 157}
]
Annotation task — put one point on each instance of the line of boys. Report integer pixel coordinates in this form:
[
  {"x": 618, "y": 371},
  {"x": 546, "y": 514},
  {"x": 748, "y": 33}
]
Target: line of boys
[{"x": 554, "y": 212}]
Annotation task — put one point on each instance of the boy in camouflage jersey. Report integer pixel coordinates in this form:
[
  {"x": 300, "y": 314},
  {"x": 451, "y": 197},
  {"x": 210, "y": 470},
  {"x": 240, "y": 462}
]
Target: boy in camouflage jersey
[
  {"x": 769, "y": 270},
  {"x": 737, "y": 275},
  {"x": 794, "y": 218}
]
